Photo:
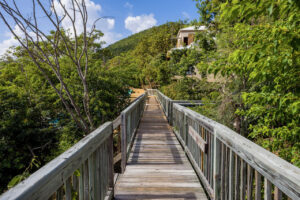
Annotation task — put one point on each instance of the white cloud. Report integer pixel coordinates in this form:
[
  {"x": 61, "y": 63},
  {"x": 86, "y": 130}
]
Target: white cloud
[
  {"x": 92, "y": 10},
  {"x": 5, "y": 44},
  {"x": 11, "y": 41},
  {"x": 128, "y": 5},
  {"x": 106, "y": 25},
  {"x": 186, "y": 15},
  {"x": 139, "y": 23},
  {"x": 111, "y": 37}
]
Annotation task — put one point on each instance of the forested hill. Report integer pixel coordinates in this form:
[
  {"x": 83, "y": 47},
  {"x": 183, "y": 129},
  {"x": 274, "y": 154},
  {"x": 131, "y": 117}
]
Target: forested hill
[{"x": 131, "y": 42}]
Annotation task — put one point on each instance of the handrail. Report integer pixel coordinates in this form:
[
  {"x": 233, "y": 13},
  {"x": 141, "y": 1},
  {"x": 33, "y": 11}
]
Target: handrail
[
  {"x": 229, "y": 165},
  {"x": 90, "y": 154},
  {"x": 130, "y": 118}
]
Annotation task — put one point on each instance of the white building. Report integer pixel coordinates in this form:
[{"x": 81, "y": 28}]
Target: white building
[{"x": 185, "y": 36}]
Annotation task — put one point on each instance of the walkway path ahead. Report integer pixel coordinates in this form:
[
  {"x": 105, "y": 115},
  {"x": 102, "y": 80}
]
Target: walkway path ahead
[{"x": 157, "y": 167}]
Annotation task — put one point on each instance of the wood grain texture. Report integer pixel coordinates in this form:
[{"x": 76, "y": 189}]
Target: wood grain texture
[
  {"x": 279, "y": 172},
  {"x": 157, "y": 167},
  {"x": 199, "y": 140}
]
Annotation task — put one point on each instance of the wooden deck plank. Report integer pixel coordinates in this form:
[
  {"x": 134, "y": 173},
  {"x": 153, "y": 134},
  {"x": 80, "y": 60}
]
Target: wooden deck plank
[{"x": 157, "y": 167}]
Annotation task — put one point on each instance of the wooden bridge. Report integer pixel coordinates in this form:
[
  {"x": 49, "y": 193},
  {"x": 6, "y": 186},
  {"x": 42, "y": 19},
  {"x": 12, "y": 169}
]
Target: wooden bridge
[{"x": 168, "y": 152}]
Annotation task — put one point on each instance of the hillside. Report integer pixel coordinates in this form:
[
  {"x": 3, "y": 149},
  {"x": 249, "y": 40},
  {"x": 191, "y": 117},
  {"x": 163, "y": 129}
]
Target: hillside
[{"x": 132, "y": 41}]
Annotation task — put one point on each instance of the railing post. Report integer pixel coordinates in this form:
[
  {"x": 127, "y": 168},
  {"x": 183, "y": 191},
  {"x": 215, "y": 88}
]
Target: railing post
[
  {"x": 123, "y": 142},
  {"x": 110, "y": 148},
  {"x": 170, "y": 115},
  {"x": 217, "y": 175},
  {"x": 185, "y": 129}
]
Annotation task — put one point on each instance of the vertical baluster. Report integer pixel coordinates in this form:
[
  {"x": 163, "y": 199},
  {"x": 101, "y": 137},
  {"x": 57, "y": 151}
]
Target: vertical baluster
[
  {"x": 212, "y": 160},
  {"x": 268, "y": 190},
  {"x": 250, "y": 182},
  {"x": 223, "y": 171},
  {"x": 104, "y": 169},
  {"x": 81, "y": 183},
  {"x": 226, "y": 172},
  {"x": 257, "y": 186},
  {"x": 86, "y": 180},
  {"x": 217, "y": 161},
  {"x": 277, "y": 194},
  {"x": 102, "y": 172},
  {"x": 231, "y": 176},
  {"x": 124, "y": 142},
  {"x": 97, "y": 174},
  {"x": 184, "y": 128},
  {"x": 110, "y": 162},
  {"x": 68, "y": 188},
  {"x": 208, "y": 167},
  {"x": 75, "y": 184},
  {"x": 60, "y": 193},
  {"x": 243, "y": 179},
  {"x": 202, "y": 155},
  {"x": 91, "y": 161},
  {"x": 237, "y": 177}
]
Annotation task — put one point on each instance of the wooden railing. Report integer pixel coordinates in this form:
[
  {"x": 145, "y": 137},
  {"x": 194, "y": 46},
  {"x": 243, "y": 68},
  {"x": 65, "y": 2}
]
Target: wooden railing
[
  {"x": 86, "y": 170},
  {"x": 130, "y": 119},
  {"x": 229, "y": 165}
]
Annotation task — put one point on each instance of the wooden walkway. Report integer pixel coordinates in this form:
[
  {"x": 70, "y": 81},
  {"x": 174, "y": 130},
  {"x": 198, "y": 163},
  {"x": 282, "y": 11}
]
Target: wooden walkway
[{"x": 157, "y": 167}]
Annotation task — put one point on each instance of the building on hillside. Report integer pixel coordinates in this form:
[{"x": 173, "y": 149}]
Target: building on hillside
[
  {"x": 185, "y": 36},
  {"x": 185, "y": 40}
]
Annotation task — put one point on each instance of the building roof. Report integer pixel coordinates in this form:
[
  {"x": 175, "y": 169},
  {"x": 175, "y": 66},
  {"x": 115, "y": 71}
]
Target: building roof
[{"x": 193, "y": 28}]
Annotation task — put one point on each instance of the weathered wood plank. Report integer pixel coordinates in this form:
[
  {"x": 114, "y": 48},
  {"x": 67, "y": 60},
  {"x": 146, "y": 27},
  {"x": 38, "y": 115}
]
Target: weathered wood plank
[
  {"x": 117, "y": 122},
  {"x": 198, "y": 139},
  {"x": 257, "y": 186},
  {"x": 267, "y": 190},
  {"x": 68, "y": 188},
  {"x": 86, "y": 180},
  {"x": 279, "y": 172},
  {"x": 249, "y": 181},
  {"x": 123, "y": 143},
  {"x": 243, "y": 179},
  {"x": 237, "y": 177},
  {"x": 157, "y": 165},
  {"x": 217, "y": 162},
  {"x": 60, "y": 193},
  {"x": 81, "y": 183},
  {"x": 231, "y": 176},
  {"x": 277, "y": 194},
  {"x": 92, "y": 176}
]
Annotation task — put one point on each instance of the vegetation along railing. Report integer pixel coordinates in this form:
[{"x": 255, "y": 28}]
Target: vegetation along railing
[
  {"x": 229, "y": 165},
  {"x": 85, "y": 171}
]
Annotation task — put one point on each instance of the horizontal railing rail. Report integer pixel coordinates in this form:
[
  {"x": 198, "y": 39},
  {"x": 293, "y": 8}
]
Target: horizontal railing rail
[
  {"x": 229, "y": 165},
  {"x": 130, "y": 119},
  {"x": 92, "y": 157}
]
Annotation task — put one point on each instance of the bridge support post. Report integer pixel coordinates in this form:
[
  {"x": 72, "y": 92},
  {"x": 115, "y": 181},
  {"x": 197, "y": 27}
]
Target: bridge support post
[{"x": 217, "y": 163}]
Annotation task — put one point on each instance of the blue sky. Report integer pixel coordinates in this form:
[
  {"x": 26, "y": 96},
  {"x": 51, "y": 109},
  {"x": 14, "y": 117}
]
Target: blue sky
[{"x": 128, "y": 17}]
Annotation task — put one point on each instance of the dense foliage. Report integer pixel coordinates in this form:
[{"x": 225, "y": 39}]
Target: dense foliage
[
  {"x": 146, "y": 63},
  {"x": 257, "y": 50},
  {"x": 252, "y": 48},
  {"x": 35, "y": 127}
]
